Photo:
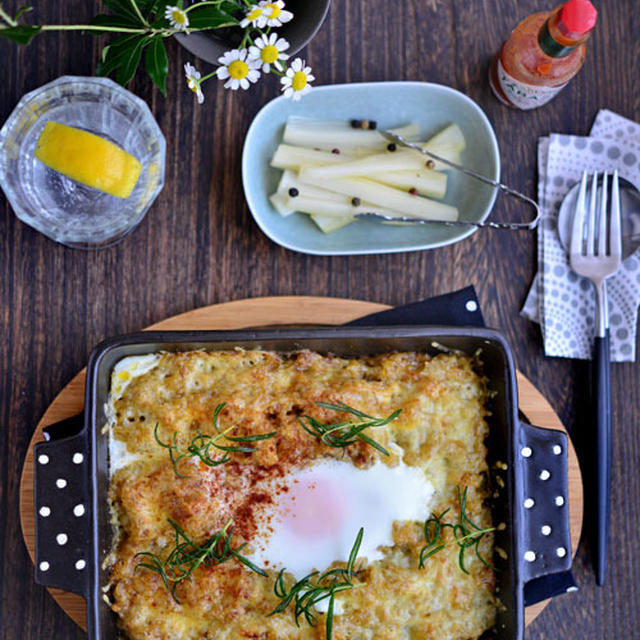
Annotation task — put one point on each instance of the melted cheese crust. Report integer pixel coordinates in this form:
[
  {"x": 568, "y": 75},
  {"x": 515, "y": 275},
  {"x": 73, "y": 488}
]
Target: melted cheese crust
[{"x": 441, "y": 430}]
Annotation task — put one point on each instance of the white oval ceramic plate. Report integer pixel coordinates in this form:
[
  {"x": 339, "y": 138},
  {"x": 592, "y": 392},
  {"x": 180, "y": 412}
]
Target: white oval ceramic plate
[{"x": 391, "y": 104}]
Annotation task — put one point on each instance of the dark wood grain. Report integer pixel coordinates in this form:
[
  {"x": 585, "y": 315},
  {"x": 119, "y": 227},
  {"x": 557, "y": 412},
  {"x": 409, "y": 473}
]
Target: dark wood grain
[{"x": 198, "y": 245}]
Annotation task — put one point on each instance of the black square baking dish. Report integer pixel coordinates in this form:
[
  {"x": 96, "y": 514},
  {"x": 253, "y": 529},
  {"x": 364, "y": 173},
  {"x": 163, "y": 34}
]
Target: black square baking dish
[{"x": 533, "y": 490}]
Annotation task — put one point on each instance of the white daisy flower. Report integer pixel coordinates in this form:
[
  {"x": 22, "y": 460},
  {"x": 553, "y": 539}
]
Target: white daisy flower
[
  {"x": 269, "y": 50},
  {"x": 275, "y": 13},
  {"x": 177, "y": 17},
  {"x": 297, "y": 81},
  {"x": 193, "y": 81},
  {"x": 255, "y": 16},
  {"x": 237, "y": 69}
]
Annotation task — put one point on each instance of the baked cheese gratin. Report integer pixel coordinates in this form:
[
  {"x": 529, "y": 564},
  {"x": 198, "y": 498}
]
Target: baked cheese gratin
[{"x": 277, "y": 496}]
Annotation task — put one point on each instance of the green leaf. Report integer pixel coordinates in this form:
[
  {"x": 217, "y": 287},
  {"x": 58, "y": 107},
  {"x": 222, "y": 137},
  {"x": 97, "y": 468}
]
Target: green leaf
[
  {"x": 123, "y": 9},
  {"x": 157, "y": 64},
  {"x": 114, "y": 54},
  {"x": 22, "y": 11},
  {"x": 149, "y": 7},
  {"x": 209, "y": 17},
  {"x": 104, "y": 20},
  {"x": 21, "y": 34}
]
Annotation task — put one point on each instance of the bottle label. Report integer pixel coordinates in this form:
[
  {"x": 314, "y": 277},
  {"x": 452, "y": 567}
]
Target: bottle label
[{"x": 523, "y": 95}]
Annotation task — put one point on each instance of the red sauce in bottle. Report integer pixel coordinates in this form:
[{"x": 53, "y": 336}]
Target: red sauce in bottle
[{"x": 543, "y": 53}]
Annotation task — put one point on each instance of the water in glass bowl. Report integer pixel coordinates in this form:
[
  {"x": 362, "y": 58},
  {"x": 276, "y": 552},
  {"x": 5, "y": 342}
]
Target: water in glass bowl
[{"x": 67, "y": 211}]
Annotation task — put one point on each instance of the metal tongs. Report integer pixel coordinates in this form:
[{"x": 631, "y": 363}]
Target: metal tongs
[{"x": 451, "y": 223}]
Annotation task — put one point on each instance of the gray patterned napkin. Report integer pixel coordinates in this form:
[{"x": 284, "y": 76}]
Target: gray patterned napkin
[{"x": 562, "y": 302}]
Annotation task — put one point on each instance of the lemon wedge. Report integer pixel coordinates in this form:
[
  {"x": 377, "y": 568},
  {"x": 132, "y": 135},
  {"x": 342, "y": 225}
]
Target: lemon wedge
[{"x": 88, "y": 159}]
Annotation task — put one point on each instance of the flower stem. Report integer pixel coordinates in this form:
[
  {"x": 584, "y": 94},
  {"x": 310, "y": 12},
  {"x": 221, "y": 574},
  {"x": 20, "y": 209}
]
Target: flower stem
[
  {"x": 197, "y": 5},
  {"x": 209, "y": 75},
  {"x": 136, "y": 8},
  {"x": 7, "y": 18},
  {"x": 93, "y": 27}
]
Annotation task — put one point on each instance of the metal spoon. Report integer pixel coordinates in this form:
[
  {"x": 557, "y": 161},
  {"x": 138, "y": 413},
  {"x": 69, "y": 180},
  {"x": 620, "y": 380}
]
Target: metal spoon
[{"x": 629, "y": 209}]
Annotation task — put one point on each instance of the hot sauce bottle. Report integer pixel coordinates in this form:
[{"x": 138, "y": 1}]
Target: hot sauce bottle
[{"x": 543, "y": 53}]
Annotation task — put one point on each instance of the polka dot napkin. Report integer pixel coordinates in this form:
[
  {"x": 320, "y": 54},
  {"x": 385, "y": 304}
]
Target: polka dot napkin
[{"x": 559, "y": 300}]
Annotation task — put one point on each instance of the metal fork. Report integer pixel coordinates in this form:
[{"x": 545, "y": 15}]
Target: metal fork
[{"x": 597, "y": 254}]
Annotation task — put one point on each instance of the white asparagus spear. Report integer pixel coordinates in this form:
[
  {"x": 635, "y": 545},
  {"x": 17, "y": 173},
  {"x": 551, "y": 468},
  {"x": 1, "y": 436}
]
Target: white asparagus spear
[
  {"x": 377, "y": 163},
  {"x": 427, "y": 183},
  {"x": 386, "y": 197}
]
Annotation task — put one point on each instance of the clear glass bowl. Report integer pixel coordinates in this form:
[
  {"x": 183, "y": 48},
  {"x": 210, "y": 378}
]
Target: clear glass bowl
[{"x": 66, "y": 211}]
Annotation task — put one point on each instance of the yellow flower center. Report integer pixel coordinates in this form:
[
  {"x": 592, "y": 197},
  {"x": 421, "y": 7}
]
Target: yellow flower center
[
  {"x": 238, "y": 69},
  {"x": 275, "y": 9},
  {"x": 178, "y": 16},
  {"x": 269, "y": 54},
  {"x": 299, "y": 81},
  {"x": 254, "y": 15}
]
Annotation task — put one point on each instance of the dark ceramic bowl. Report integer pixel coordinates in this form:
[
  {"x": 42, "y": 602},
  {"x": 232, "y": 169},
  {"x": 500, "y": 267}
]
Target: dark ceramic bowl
[{"x": 308, "y": 16}]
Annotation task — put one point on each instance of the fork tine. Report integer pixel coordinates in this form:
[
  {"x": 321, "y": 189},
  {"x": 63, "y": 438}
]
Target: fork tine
[
  {"x": 602, "y": 219},
  {"x": 578, "y": 218},
  {"x": 591, "y": 216},
  {"x": 615, "y": 240}
]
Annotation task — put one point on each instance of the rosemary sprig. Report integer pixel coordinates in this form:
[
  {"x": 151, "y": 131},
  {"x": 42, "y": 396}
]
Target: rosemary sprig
[
  {"x": 466, "y": 534},
  {"x": 342, "y": 434},
  {"x": 186, "y": 556},
  {"x": 315, "y": 588},
  {"x": 203, "y": 446}
]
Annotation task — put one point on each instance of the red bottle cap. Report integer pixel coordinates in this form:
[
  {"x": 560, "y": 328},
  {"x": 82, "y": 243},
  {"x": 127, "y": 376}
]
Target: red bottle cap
[{"x": 578, "y": 16}]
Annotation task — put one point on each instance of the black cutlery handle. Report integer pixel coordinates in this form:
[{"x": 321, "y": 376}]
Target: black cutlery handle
[{"x": 602, "y": 399}]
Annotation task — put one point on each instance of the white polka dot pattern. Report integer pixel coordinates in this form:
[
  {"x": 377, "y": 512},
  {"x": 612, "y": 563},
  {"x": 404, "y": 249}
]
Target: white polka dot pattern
[{"x": 562, "y": 302}]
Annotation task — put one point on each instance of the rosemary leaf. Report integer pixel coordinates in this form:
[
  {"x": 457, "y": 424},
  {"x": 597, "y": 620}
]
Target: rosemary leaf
[
  {"x": 466, "y": 534},
  {"x": 314, "y": 588},
  {"x": 186, "y": 556},
  {"x": 207, "y": 447},
  {"x": 342, "y": 434}
]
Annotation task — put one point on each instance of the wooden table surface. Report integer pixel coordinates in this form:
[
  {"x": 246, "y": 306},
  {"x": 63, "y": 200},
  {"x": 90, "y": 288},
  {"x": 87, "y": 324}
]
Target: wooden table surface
[{"x": 199, "y": 245}]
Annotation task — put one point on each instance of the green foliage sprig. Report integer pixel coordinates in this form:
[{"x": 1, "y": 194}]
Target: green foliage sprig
[
  {"x": 202, "y": 446},
  {"x": 141, "y": 28},
  {"x": 466, "y": 534},
  {"x": 186, "y": 556},
  {"x": 315, "y": 588},
  {"x": 342, "y": 434}
]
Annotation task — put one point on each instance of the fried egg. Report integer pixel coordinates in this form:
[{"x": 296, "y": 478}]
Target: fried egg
[{"x": 317, "y": 518}]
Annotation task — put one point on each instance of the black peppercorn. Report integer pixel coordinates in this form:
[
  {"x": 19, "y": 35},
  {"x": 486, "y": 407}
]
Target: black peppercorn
[
  {"x": 356, "y": 124},
  {"x": 356, "y": 202},
  {"x": 293, "y": 192},
  {"x": 413, "y": 191},
  {"x": 430, "y": 164},
  {"x": 336, "y": 151},
  {"x": 391, "y": 146},
  {"x": 372, "y": 124}
]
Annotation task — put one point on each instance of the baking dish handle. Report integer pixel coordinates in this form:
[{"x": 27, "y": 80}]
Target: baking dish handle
[
  {"x": 62, "y": 510},
  {"x": 541, "y": 461}
]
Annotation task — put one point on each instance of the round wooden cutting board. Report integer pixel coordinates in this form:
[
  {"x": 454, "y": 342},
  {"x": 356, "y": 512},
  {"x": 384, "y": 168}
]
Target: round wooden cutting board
[{"x": 276, "y": 311}]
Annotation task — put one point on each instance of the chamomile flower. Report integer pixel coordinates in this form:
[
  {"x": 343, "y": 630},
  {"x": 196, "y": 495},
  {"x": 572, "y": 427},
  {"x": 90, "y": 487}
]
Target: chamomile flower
[
  {"x": 269, "y": 50},
  {"x": 275, "y": 13},
  {"x": 297, "y": 81},
  {"x": 255, "y": 16},
  {"x": 237, "y": 69},
  {"x": 193, "y": 81},
  {"x": 177, "y": 17}
]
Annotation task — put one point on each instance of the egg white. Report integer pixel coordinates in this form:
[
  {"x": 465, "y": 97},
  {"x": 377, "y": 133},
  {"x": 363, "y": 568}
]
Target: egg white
[
  {"x": 123, "y": 373},
  {"x": 316, "y": 521}
]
